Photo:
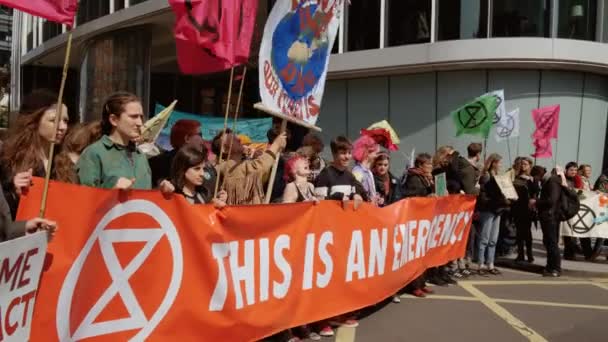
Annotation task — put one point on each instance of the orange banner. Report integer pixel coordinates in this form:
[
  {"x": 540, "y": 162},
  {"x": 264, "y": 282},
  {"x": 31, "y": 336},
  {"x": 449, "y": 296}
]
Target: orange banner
[{"x": 139, "y": 266}]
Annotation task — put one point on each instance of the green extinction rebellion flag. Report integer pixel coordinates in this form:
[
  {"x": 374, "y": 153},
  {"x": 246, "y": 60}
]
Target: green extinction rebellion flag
[{"x": 475, "y": 118}]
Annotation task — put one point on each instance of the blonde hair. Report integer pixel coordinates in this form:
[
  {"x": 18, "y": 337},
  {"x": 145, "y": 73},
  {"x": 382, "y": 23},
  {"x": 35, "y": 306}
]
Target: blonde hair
[
  {"x": 441, "y": 156},
  {"x": 490, "y": 164}
]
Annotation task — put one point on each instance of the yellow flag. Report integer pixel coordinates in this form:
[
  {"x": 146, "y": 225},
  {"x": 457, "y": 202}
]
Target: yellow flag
[
  {"x": 385, "y": 125},
  {"x": 152, "y": 127}
]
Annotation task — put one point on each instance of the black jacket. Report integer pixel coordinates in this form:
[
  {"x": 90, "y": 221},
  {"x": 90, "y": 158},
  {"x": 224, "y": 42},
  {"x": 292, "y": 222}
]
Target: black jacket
[
  {"x": 525, "y": 191},
  {"x": 394, "y": 194},
  {"x": 548, "y": 202},
  {"x": 490, "y": 197},
  {"x": 417, "y": 186}
]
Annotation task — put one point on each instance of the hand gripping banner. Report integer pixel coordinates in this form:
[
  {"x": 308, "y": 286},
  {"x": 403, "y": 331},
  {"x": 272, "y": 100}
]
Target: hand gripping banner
[{"x": 136, "y": 266}]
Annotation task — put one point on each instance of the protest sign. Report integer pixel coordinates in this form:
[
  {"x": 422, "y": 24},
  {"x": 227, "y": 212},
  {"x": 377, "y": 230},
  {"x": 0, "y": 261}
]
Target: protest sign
[
  {"x": 441, "y": 185},
  {"x": 21, "y": 262},
  {"x": 591, "y": 219},
  {"x": 506, "y": 186},
  {"x": 137, "y": 266}
]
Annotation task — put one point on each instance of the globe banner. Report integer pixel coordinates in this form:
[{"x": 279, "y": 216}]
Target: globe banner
[{"x": 294, "y": 56}]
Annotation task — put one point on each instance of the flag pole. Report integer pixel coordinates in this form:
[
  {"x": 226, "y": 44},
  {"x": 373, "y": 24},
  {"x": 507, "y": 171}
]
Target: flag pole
[
  {"x": 273, "y": 173},
  {"x": 236, "y": 115},
  {"x": 219, "y": 161},
  {"x": 509, "y": 151},
  {"x": 58, "y": 117}
]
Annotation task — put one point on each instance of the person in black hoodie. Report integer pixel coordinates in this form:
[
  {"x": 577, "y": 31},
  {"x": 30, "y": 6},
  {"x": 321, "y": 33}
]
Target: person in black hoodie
[
  {"x": 491, "y": 204},
  {"x": 419, "y": 183},
  {"x": 547, "y": 206},
  {"x": 387, "y": 185},
  {"x": 522, "y": 214}
]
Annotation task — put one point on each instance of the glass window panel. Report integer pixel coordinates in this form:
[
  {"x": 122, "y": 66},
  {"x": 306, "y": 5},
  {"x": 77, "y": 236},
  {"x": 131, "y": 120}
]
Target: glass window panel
[
  {"x": 118, "y": 4},
  {"x": 605, "y": 35},
  {"x": 336, "y": 47},
  {"x": 92, "y": 9},
  {"x": 135, "y": 2},
  {"x": 521, "y": 18},
  {"x": 577, "y": 19},
  {"x": 409, "y": 22},
  {"x": 364, "y": 25},
  {"x": 462, "y": 19},
  {"x": 50, "y": 30}
]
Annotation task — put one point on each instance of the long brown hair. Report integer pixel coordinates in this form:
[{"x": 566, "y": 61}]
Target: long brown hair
[
  {"x": 442, "y": 156},
  {"x": 490, "y": 164},
  {"x": 186, "y": 157},
  {"x": 79, "y": 137},
  {"x": 23, "y": 148}
]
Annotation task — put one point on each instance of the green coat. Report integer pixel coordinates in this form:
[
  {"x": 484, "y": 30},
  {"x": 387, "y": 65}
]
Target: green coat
[{"x": 104, "y": 162}]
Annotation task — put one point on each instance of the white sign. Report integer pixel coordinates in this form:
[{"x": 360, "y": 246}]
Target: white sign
[
  {"x": 21, "y": 263},
  {"x": 506, "y": 186},
  {"x": 294, "y": 56},
  {"x": 508, "y": 126},
  {"x": 591, "y": 219}
]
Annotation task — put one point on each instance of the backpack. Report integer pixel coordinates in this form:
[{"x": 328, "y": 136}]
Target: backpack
[{"x": 569, "y": 204}]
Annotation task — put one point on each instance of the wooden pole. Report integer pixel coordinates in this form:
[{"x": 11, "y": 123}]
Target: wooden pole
[
  {"x": 58, "y": 117},
  {"x": 273, "y": 173},
  {"x": 236, "y": 115},
  {"x": 219, "y": 160}
]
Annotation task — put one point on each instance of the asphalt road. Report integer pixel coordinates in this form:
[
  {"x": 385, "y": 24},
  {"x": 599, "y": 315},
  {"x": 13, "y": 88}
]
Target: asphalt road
[{"x": 515, "y": 306}]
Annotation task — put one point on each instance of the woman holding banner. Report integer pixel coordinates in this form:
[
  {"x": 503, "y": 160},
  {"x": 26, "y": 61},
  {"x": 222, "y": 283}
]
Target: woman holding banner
[{"x": 25, "y": 152}]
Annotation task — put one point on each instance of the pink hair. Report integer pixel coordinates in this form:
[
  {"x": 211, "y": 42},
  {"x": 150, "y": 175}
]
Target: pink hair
[
  {"x": 290, "y": 167},
  {"x": 362, "y": 147}
]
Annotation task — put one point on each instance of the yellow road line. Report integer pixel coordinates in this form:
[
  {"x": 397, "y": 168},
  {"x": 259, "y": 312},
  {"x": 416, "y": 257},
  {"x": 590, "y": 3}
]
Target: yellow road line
[
  {"x": 601, "y": 285},
  {"x": 525, "y": 282},
  {"x": 344, "y": 334},
  {"x": 501, "y": 312},
  {"x": 560, "y": 305},
  {"x": 433, "y": 296}
]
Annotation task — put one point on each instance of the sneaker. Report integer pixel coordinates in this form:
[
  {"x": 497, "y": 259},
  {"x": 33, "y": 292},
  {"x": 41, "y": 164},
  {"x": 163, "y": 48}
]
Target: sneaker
[
  {"x": 466, "y": 272},
  {"x": 553, "y": 274},
  {"x": 427, "y": 290},
  {"x": 449, "y": 280},
  {"x": 327, "y": 332},
  {"x": 418, "y": 293},
  {"x": 316, "y": 337},
  {"x": 294, "y": 339},
  {"x": 438, "y": 281},
  {"x": 396, "y": 299},
  {"x": 494, "y": 271}
]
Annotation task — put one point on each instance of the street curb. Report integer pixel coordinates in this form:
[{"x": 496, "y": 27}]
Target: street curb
[{"x": 538, "y": 269}]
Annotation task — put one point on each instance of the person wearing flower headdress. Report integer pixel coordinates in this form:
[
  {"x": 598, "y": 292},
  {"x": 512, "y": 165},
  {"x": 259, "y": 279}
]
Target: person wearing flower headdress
[{"x": 365, "y": 151}]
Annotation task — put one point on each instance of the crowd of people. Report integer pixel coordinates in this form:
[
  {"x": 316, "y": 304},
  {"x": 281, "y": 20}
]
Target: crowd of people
[{"x": 227, "y": 171}]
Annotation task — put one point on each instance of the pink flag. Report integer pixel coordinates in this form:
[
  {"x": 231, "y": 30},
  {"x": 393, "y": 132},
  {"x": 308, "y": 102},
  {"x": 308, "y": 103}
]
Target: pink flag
[
  {"x": 61, "y": 11},
  {"x": 213, "y": 35},
  {"x": 546, "y": 120},
  {"x": 542, "y": 148}
]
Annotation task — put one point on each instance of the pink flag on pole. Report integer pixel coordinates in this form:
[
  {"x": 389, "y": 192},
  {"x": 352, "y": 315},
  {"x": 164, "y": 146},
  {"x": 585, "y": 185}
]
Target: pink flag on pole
[
  {"x": 542, "y": 148},
  {"x": 213, "y": 35},
  {"x": 546, "y": 120},
  {"x": 60, "y": 11}
]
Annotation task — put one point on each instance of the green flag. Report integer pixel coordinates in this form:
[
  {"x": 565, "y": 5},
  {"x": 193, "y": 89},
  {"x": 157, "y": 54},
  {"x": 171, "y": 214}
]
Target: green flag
[{"x": 475, "y": 118}]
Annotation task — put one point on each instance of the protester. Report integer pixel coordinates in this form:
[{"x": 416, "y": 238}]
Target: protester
[
  {"x": 278, "y": 186},
  {"x": 584, "y": 172},
  {"x": 183, "y": 132},
  {"x": 491, "y": 203},
  {"x": 312, "y": 147},
  {"x": 244, "y": 179},
  {"x": 78, "y": 138},
  {"x": 336, "y": 182},
  {"x": 11, "y": 230},
  {"x": 521, "y": 212},
  {"x": 188, "y": 176},
  {"x": 387, "y": 185},
  {"x": 365, "y": 151},
  {"x": 548, "y": 205},
  {"x": 26, "y": 151},
  {"x": 419, "y": 183},
  {"x": 601, "y": 184},
  {"x": 298, "y": 189},
  {"x": 571, "y": 245},
  {"x": 114, "y": 161}
]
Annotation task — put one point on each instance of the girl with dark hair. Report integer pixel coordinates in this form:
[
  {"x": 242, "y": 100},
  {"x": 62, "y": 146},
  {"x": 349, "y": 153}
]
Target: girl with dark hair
[
  {"x": 387, "y": 185},
  {"x": 25, "y": 152},
  {"x": 114, "y": 161},
  {"x": 187, "y": 175},
  {"x": 521, "y": 211}
]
